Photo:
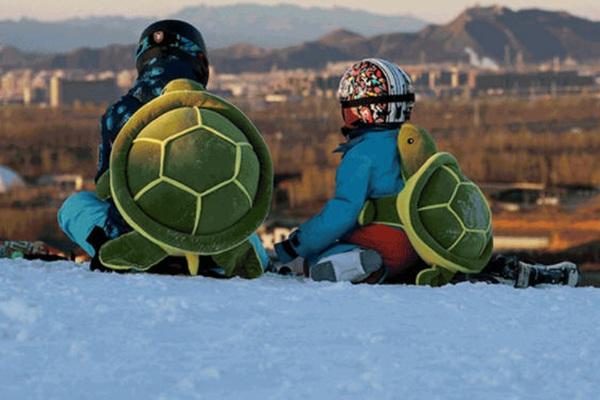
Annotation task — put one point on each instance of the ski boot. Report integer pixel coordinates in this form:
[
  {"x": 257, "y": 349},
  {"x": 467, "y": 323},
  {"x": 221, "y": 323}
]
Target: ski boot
[
  {"x": 510, "y": 270},
  {"x": 357, "y": 266},
  {"x": 563, "y": 273}
]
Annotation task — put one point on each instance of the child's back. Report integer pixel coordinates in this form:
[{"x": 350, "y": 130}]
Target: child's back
[{"x": 380, "y": 148}]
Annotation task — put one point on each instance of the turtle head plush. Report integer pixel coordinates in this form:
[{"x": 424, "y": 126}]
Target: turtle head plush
[
  {"x": 191, "y": 175},
  {"x": 416, "y": 146}
]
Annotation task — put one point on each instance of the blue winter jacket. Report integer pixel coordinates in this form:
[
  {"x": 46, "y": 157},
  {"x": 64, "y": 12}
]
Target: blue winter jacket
[{"x": 370, "y": 169}]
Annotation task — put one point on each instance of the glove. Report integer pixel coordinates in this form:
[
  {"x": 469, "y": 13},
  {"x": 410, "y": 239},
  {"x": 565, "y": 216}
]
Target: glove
[{"x": 286, "y": 250}]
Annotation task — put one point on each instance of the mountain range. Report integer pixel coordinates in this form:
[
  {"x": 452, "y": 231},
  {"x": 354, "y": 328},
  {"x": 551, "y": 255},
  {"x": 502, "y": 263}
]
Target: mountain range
[
  {"x": 497, "y": 33},
  {"x": 261, "y": 25}
]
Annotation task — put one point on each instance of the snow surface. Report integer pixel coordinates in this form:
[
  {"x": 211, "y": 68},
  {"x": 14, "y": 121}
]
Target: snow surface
[{"x": 67, "y": 333}]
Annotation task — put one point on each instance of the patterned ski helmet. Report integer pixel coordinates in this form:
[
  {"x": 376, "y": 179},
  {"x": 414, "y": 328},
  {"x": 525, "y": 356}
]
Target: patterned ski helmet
[{"x": 375, "y": 91}]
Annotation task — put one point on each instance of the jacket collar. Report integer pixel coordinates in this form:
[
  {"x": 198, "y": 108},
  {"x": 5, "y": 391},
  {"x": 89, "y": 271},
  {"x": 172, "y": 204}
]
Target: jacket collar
[{"x": 365, "y": 135}]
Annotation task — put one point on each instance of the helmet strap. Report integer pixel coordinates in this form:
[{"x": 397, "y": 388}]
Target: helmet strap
[
  {"x": 365, "y": 101},
  {"x": 361, "y": 128}
]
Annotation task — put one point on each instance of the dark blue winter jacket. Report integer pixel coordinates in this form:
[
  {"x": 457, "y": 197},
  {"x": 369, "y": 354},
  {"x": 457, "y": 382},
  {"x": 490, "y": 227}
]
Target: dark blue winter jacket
[{"x": 149, "y": 84}]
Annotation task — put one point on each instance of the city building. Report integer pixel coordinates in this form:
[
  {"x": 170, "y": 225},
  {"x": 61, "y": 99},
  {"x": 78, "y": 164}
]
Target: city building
[
  {"x": 533, "y": 83},
  {"x": 34, "y": 95},
  {"x": 68, "y": 92}
]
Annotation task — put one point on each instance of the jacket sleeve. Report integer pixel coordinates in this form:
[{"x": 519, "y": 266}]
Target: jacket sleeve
[
  {"x": 340, "y": 214},
  {"x": 111, "y": 123}
]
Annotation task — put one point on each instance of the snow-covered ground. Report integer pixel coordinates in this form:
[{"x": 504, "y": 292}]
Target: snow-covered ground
[{"x": 67, "y": 333}]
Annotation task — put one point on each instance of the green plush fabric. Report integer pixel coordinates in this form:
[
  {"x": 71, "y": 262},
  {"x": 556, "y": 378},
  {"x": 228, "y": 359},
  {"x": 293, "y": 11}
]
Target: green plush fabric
[
  {"x": 381, "y": 211},
  {"x": 240, "y": 261},
  {"x": 131, "y": 252},
  {"x": 192, "y": 176},
  {"x": 182, "y": 84},
  {"x": 439, "y": 189},
  {"x": 171, "y": 122},
  {"x": 145, "y": 160},
  {"x": 200, "y": 160},
  {"x": 190, "y": 171},
  {"x": 453, "y": 230},
  {"x": 103, "y": 186},
  {"x": 434, "y": 276},
  {"x": 415, "y": 146},
  {"x": 170, "y": 206},
  {"x": 445, "y": 215}
]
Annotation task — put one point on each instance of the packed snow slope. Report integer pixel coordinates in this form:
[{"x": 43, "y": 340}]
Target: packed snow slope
[{"x": 67, "y": 333}]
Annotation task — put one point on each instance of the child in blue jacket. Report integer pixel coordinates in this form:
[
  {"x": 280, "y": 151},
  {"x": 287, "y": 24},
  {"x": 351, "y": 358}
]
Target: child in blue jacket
[
  {"x": 168, "y": 50},
  {"x": 376, "y": 98}
]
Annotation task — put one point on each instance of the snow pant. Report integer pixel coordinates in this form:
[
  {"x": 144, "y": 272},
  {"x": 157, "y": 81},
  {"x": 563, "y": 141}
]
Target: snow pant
[
  {"x": 391, "y": 243},
  {"x": 84, "y": 211}
]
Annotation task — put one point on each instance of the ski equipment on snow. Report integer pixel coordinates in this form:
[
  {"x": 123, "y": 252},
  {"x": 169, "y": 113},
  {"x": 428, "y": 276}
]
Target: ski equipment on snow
[{"x": 509, "y": 270}]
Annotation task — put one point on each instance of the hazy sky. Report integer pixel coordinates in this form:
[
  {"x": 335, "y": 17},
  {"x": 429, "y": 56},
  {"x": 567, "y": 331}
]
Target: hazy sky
[{"x": 432, "y": 10}]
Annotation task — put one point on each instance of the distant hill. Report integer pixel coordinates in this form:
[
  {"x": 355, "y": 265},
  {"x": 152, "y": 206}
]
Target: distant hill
[
  {"x": 538, "y": 35},
  {"x": 11, "y": 57},
  {"x": 63, "y": 36},
  {"x": 496, "y": 33},
  {"x": 114, "y": 57},
  {"x": 261, "y": 25},
  {"x": 492, "y": 32}
]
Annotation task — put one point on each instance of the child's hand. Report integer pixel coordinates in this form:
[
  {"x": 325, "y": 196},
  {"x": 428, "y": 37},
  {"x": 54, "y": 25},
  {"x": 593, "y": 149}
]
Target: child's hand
[{"x": 286, "y": 250}]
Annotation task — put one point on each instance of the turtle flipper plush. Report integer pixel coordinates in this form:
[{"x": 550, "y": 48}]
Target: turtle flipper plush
[
  {"x": 131, "y": 251},
  {"x": 445, "y": 215},
  {"x": 103, "y": 186},
  {"x": 242, "y": 261},
  {"x": 192, "y": 176}
]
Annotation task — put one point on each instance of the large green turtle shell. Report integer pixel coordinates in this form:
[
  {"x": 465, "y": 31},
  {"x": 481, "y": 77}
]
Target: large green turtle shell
[
  {"x": 190, "y": 172},
  {"x": 446, "y": 216}
]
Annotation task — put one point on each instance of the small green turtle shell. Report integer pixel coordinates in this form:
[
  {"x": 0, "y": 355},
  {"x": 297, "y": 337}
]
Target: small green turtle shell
[{"x": 446, "y": 216}]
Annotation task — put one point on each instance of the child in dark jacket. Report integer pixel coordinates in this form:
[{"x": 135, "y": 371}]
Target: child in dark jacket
[
  {"x": 376, "y": 98},
  {"x": 168, "y": 50}
]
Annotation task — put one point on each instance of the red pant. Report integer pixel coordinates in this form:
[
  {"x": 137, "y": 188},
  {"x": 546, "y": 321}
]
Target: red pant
[{"x": 391, "y": 243}]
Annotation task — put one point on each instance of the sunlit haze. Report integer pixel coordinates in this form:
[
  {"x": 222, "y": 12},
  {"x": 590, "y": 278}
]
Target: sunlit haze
[{"x": 431, "y": 10}]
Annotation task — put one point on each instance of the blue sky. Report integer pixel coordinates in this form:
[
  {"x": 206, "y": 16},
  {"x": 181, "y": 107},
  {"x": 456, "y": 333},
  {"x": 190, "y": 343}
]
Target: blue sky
[{"x": 432, "y": 10}]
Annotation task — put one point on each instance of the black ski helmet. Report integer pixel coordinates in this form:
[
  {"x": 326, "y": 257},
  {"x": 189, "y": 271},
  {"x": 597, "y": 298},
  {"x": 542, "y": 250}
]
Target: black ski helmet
[{"x": 171, "y": 36}]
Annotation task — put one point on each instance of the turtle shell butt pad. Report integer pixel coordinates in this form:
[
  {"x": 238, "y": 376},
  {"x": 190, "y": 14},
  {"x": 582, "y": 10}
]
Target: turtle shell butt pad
[
  {"x": 446, "y": 216},
  {"x": 190, "y": 172}
]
